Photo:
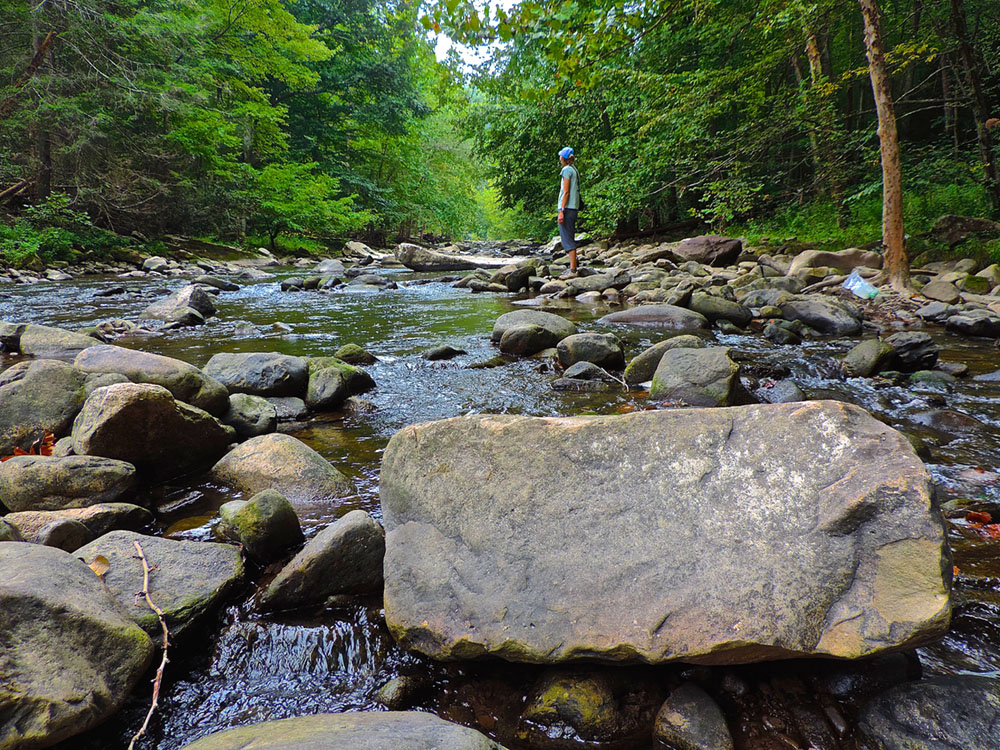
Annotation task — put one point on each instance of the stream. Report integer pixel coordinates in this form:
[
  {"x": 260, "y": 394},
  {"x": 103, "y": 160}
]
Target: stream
[{"x": 243, "y": 667}]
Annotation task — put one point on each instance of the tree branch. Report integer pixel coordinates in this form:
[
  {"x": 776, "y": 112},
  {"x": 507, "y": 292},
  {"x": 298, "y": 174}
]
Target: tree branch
[{"x": 158, "y": 682}]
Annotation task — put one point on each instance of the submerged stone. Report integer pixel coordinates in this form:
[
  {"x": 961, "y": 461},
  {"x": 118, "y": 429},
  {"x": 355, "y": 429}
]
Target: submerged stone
[{"x": 705, "y": 535}]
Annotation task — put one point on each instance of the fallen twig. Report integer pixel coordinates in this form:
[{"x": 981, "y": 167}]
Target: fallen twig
[{"x": 158, "y": 682}]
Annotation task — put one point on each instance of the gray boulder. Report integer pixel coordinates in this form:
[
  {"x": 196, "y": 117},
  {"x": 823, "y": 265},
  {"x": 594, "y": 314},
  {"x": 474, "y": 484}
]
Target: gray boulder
[
  {"x": 588, "y": 371},
  {"x": 914, "y": 350},
  {"x": 175, "y": 307},
  {"x": 266, "y": 525},
  {"x": 9, "y": 532},
  {"x": 527, "y": 339},
  {"x": 691, "y": 720},
  {"x": 601, "y": 349},
  {"x": 940, "y": 713},
  {"x": 98, "y": 519},
  {"x": 382, "y": 730},
  {"x": 697, "y": 377},
  {"x": 835, "y": 548},
  {"x": 868, "y": 358},
  {"x": 717, "y": 308},
  {"x": 709, "y": 250},
  {"x": 142, "y": 424},
  {"x": 188, "y": 580},
  {"x": 780, "y": 392},
  {"x": 941, "y": 291},
  {"x": 286, "y": 464},
  {"x": 599, "y": 282},
  {"x": 50, "y": 483},
  {"x": 63, "y": 533},
  {"x": 353, "y": 354},
  {"x": 70, "y": 657},
  {"x": 344, "y": 558},
  {"x": 217, "y": 283},
  {"x": 250, "y": 415},
  {"x": 842, "y": 260},
  {"x": 288, "y": 408},
  {"x": 330, "y": 267},
  {"x": 658, "y": 316},
  {"x": 332, "y": 381},
  {"x": 186, "y": 382},
  {"x": 260, "y": 373},
  {"x": 823, "y": 314},
  {"x": 556, "y": 325},
  {"x": 421, "y": 259},
  {"x": 642, "y": 367},
  {"x": 46, "y": 342},
  {"x": 37, "y": 396},
  {"x": 981, "y": 323}
]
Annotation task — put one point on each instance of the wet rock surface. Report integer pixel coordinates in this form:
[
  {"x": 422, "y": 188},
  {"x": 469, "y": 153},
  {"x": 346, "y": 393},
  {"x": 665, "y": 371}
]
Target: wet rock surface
[
  {"x": 49, "y": 483},
  {"x": 451, "y": 533}
]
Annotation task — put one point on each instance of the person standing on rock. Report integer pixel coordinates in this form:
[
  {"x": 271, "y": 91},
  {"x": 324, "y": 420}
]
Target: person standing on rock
[{"x": 569, "y": 204}]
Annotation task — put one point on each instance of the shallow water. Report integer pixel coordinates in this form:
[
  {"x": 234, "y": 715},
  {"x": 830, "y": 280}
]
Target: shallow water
[{"x": 244, "y": 668}]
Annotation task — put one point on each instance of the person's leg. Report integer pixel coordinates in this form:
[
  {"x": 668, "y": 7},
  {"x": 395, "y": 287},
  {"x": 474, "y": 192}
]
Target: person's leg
[{"x": 569, "y": 240}]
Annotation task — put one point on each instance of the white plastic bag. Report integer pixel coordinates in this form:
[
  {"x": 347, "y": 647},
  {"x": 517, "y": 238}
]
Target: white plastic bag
[{"x": 859, "y": 286}]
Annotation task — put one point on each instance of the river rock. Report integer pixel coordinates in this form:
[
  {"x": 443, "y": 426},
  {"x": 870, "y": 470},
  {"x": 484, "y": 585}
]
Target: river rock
[
  {"x": 982, "y": 323},
  {"x": 646, "y": 568},
  {"x": 266, "y": 525},
  {"x": 780, "y": 392},
  {"x": 527, "y": 339},
  {"x": 698, "y": 377},
  {"x": 217, "y": 283},
  {"x": 601, "y": 349},
  {"x": 940, "y": 713},
  {"x": 329, "y": 267},
  {"x": 9, "y": 532},
  {"x": 941, "y": 291},
  {"x": 50, "y": 483},
  {"x": 868, "y": 358},
  {"x": 421, "y": 259},
  {"x": 186, "y": 382},
  {"x": 344, "y": 558},
  {"x": 599, "y": 282},
  {"x": 709, "y": 249},
  {"x": 260, "y": 373},
  {"x": 175, "y": 307},
  {"x": 288, "y": 408},
  {"x": 331, "y": 381},
  {"x": 915, "y": 350},
  {"x": 70, "y": 657},
  {"x": 824, "y": 314},
  {"x": 46, "y": 342},
  {"x": 658, "y": 316},
  {"x": 63, "y": 533},
  {"x": 691, "y": 720},
  {"x": 842, "y": 260},
  {"x": 376, "y": 730},
  {"x": 98, "y": 519},
  {"x": 37, "y": 396},
  {"x": 250, "y": 415},
  {"x": 144, "y": 425},
  {"x": 588, "y": 371},
  {"x": 442, "y": 352},
  {"x": 717, "y": 308},
  {"x": 642, "y": 367},
  {"x": 188, "y": 578},
  {"x": 286, "y": 464},
  {"x": 556, "y": 325},
  {"x": 956, "y": 229},
  {"x": 353, "y": 354}
]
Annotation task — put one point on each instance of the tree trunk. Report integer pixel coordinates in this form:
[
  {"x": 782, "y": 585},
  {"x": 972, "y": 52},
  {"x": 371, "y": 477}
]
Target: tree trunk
[
  {"x": 40, "y": 42},
  {"x": 897, "y": 265},
  {"x": 950, "y": 115},
  {"x": 980, "y": 103}
]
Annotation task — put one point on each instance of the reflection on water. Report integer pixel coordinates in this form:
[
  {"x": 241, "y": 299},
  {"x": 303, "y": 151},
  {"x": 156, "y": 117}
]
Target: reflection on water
[{"x": 247, "y": 668}]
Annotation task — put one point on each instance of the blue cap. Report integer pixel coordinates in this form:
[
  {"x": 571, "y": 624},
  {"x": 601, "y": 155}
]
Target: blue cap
[{"x": 566, "y": 152}]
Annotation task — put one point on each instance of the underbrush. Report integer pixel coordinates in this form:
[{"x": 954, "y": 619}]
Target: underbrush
[
  {"x": 53, "y": 231},
  {"x": 289, "y": 244}
]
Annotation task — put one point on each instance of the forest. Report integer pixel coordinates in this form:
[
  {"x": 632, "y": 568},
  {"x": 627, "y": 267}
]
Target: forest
[{"x": 300, "y": 123}]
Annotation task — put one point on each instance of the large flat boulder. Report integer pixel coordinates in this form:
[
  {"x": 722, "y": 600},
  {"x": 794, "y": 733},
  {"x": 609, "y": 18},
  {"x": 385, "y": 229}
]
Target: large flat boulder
[
  {"x": 555, "y": 325},
  {"x": 705, "y": 535},
  {"x": 46, "y": 342},
  {"x": 176, "y": 307},
  {"x": 37, "y": 396},
  {"x": 842, "y": 260},
  {"x": 709, "y": 249},
  {"x": 188, "y": 578},
  {"x": 419, "y": 258},
  {"x": 669, "y": 317},
  {"x": 70, "y": 656},
  {"x": 57, "y": 483},
  {"x": 185, "y": 381},
  {"x": 144, "y": 425},
  {"x": 97, "y": 519},
  {"x": 285, "y": 464},
  {"x": 381, "y": 730},
  {"x": 697, "y": 377},
  {"x": 260, "y": 373},
  {"x": 824, "y": 314}
]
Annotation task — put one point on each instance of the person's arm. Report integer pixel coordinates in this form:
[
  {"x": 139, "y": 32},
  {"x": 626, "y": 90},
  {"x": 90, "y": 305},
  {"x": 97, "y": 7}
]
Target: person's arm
[{"x": 565, "y": 199}]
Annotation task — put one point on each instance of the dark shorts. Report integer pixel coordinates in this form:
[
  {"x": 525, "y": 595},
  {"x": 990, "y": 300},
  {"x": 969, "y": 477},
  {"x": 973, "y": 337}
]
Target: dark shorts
[{"x": 567, "y": 230}]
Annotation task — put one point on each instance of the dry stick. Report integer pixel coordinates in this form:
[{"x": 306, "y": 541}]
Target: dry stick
[{"x": 166, "y": 641}]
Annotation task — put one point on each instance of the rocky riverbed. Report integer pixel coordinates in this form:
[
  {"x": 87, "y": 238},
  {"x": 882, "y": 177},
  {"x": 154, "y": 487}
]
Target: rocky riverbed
[{"x": 643, "y": 574}]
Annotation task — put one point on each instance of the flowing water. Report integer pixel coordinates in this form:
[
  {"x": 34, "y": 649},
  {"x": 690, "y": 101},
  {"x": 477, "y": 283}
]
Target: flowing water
[{"x": 244, "y": 667}]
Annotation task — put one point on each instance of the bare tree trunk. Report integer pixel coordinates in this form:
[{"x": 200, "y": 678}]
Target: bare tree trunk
[
  {"x": 897, "y": 266},
  {"x": 950, "y": 116},
  {"x": 40, "y": 42},
  {"x": 980, "y": 103}
]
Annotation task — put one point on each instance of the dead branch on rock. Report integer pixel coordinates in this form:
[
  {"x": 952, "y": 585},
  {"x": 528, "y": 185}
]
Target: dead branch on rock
[{"x": 158, "y": 682}]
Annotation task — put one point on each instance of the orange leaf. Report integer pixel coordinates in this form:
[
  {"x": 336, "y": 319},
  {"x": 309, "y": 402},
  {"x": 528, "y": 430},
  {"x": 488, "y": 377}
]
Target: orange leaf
[
  {"x": 975, "y": 516},
  {"x": 992, "y": 530}
]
